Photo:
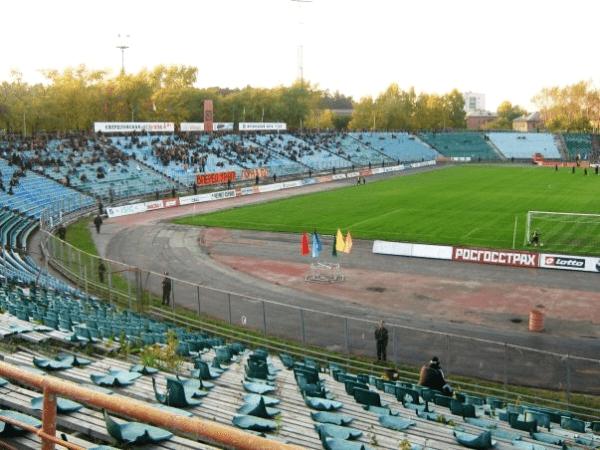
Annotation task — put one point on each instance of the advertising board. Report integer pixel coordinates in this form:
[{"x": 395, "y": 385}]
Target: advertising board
[{"x": 496, "y": 257}]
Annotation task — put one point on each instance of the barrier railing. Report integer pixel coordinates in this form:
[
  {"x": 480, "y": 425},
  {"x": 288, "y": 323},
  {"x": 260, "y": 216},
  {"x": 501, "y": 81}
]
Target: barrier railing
[
  {"x": 500, "y": 362},
  {"x": 209, "y": 432}
]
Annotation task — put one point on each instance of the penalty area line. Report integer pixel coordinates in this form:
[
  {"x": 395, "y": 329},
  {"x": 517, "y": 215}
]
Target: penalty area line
[{"x": 471, "y": 232}]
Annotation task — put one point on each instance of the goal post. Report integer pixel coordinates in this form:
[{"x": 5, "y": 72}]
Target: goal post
[{"x": 565, "y": 232}]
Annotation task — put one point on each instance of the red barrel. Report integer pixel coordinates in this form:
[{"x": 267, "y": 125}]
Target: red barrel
[{"x": 536, "y": 320}]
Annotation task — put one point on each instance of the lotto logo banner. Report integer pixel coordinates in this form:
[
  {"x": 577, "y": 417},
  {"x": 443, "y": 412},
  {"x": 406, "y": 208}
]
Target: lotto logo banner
[
  {"x": 568, "y": 262},
  {"x": 496, "y": 257}
]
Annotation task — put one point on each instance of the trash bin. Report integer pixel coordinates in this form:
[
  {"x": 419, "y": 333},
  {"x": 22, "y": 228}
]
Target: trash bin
[{"x": 536, "y": 320}]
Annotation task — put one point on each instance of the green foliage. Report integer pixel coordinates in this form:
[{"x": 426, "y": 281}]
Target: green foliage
[
  {"x": 396, "y": 109},
  {"x": 163, "y": 358},
  {"x": 373, "y": 436},
  {"x": 404, "y": 444},
  {"x": 467, "y": 205},
  {"x": 571, "y": 108},
  {"x": 509, "y": 112},
  {"x": 442, "y": 419}
]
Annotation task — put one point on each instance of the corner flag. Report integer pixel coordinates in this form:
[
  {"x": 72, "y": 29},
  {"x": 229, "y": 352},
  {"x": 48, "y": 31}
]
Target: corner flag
[
  {"x": 348, "y": 243},
  {"x": 316, "y": 245},
  {"x": 304, "y": 249},
  {"x": 339, "y": 241}
]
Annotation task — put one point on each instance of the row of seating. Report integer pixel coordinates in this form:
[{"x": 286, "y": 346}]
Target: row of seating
[
  {"x": 460, "y": 144},
  {"x": 525, "y": 145},
  {"x": 261, "y": 380}
]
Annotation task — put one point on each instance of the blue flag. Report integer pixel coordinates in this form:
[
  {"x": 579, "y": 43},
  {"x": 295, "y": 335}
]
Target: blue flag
[{"x": 316, "y": 245}]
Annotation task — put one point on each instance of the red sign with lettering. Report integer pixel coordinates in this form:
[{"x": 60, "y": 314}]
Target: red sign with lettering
[
  {"x": 497, "y": 257},
  {"x": 214, "y": 178}
]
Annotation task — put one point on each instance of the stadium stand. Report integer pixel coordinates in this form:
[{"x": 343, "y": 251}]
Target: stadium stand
[
  {"x": 399, "y": 146},
  {"x": 525, "y": 145},
  {"x": 578, "y": 144},
  {"x": 307, "y": 404},
  {"x": 460, "y": 145},
  {"x": 348, "y": 146},
  {"x": 311, "y": 404},
  {"x": 177, "y": 158}
]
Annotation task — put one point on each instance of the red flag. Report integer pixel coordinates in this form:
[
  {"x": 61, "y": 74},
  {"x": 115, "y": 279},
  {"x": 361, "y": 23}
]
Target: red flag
[{"x": 305, "y": 250}]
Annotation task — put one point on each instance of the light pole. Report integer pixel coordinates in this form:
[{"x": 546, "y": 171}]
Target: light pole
[
  {"x": 123, "y": 46},
  {"x": 300, "y": 48}
]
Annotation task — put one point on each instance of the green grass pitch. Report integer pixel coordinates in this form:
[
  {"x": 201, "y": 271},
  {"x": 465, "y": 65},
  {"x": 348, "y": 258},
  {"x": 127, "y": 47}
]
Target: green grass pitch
[{"x": 468, "y": 205}]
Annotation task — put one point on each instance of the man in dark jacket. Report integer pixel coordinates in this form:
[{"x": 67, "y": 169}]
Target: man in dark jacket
[
  {"x": 101, "y": 271},
  {"x": 98, "y": 223},
  {"x": 432, "y": 377},
  {"x": 166, "y": 285},
  {"x": 381, "y": 336}
]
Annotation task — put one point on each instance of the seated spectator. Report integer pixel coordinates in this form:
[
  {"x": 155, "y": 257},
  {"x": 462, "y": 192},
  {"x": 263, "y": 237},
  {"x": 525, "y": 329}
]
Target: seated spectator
[{"x": 432, "y": 377}]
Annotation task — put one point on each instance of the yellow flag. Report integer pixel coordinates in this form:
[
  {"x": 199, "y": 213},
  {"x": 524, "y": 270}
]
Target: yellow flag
[
  {"x": 348, "y": 243},
  {"x": 339, "y": 241}
]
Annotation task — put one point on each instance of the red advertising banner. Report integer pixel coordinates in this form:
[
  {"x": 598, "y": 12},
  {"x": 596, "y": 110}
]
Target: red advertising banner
[
  {"x": 158, "y": 204},
  {"x": 496, "y": 257},
  {"x": 214, "y": 178},
  {"x": 171, "y": 202},
  {"x": 250, "y": 174},
  {"x": 325, "y": 179},
  {"x": 208, "y": 115}
]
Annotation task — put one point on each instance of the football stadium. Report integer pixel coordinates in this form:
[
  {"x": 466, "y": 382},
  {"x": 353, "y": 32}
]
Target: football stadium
[
  {"x": 271, "y": 295},
  {"x": 186, "y": 263}
]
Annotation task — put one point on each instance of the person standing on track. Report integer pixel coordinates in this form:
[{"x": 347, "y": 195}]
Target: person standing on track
[
  {"x": 381, "y": 336},
  {"x": 98, "y": 223},
  {"x": 166, "y": 287}
]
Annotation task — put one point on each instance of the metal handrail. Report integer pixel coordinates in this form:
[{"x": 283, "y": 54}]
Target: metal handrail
[{"x": 210, "y": 432}]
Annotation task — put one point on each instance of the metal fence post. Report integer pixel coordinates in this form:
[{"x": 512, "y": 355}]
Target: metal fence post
[
  {"x": 128, "y": 290},
  {"x": 80, "y": 267},
  {"x": 85, "y": 280},
  {"x": 346, "y": 336},
  {"x": 264, "y": 318},
  {"x": 568, "y": 393},
  {"x": 109, "y": 285},
  {"x": 506, "y": 370},
  {"x": 199, "y": 306},
  {"x": 172, "y": 295},
  {"x": 394, "y": 348},
  {"x": 138, "y": 283},
  {"x": 448, "y": 352},
  {"x": 229, "y": 306},
  {"x": 302, "y": 326}
]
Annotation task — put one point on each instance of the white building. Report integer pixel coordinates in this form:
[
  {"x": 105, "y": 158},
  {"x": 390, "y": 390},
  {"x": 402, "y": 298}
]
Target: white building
[{"x": 474, "y": 101}]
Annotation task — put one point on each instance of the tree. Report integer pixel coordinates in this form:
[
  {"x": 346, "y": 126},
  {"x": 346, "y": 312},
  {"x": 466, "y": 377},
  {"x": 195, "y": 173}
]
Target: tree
[
  {"x": 363, "y": 115},
  {"x": 508, "y": 111},
  {"x": 455, "y": 103},
  {"x": 565, "y": 108}
]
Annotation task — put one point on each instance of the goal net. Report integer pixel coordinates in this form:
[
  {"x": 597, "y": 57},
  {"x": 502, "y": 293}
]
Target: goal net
[{"x": 564, "y": 232}]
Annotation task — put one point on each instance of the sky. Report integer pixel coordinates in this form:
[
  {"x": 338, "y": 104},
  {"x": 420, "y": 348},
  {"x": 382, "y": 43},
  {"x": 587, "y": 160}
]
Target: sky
[{"x": 508, "y": 51}]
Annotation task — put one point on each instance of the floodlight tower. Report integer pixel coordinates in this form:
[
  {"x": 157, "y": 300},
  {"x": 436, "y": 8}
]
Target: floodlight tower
[
  {"x": 123, "y": 46},
  {"x": 300, "y": 49}
]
